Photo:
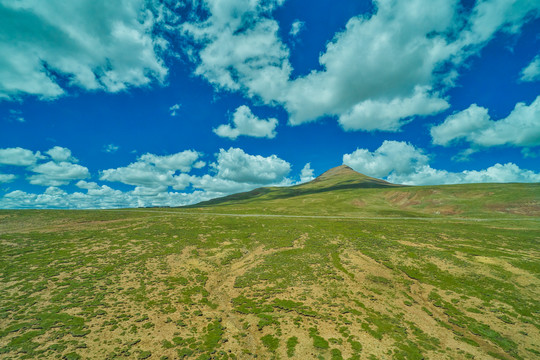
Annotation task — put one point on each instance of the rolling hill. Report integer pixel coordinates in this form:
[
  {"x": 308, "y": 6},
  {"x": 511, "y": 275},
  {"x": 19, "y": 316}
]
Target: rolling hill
[{"x": 343, "y": 191}]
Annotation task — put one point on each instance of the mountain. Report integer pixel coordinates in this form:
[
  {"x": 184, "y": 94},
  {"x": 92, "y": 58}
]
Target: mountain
[
  {"x": 338, "y": 178},
  {"x": 343, "y": 191}
]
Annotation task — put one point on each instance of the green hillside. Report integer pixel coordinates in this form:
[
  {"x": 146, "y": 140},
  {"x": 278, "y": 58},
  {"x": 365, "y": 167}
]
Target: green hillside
[{"x": 343, "y": 191}]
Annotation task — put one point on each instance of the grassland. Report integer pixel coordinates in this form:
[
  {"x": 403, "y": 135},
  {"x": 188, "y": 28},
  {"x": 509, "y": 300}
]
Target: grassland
[{"x": 363, "y": 284}]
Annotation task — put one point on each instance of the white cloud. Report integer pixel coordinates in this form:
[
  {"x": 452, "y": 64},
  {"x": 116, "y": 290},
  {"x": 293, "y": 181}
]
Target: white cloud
[
  {"x": 111, "y": 148},
  {"x": 156, "y": 179},
  {"x": 86, "y": 185},
  {"x": 139, "y": 174},
  {"x": 402, "y": 163},
  {"x": 173, "y": 109},
  {"x": 306, "y": 174},
  {"x": 532, "y": 71},
  {"x": 497, "y": 173},
  {"x": 520, "y": 128},
  {"x": 153, "y": 174},
  {"x": 18, "y": 156},
  {"x": 182, "y": 161},
  {"x": 247, "y": 124},
  {"x": 241, "y": 49},
  {"x": 296, "y": 27},
  {"x": 60, "y": 154},
  {"x": 89, "y": 43},
  {"x": 5, "y": 178},
  {"x": 391, "y": 156},
  {"x": 102, "y": 197},
  {"x": 234, "y": 164},
  {"x": 56, "y": 174},
  {"x": 390, "y": 115},
  {"x": 377, "y": 74}
]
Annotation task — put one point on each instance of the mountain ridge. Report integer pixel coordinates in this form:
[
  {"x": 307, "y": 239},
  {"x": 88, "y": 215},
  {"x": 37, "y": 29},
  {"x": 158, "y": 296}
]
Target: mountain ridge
[
  {"x": 343, "y": 191},
  {"x": 337, "y": 178}
]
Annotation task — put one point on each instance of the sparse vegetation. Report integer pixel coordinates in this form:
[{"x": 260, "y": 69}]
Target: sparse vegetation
[{"x": 185, "y": 284}]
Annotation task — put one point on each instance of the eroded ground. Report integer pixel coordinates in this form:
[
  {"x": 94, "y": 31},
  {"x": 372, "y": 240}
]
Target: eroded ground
[{"x": 104, "y": 285}]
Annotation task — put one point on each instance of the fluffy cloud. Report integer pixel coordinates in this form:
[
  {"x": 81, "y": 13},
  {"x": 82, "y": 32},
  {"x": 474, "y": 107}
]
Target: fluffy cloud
[
  {"x": 390, "y": 115},
  {"x": 86, "y": 43},
  {"x": 391, "y": 156},
  {"x": 18, "y": 156},
  {"x": 402, "y": 163},
  {"x": 306, "y": 174},
  {"x": 235, "y": 171},
  {"x": 5, "y": 178},
  {"x": 247, "y": 124},
  {"x": 102, "y": 197},
  {"x": 153, "y": 174},
  {"x": 56, "y": 174},
  {"x": 520, "y": 128},
  {"x": 360, "y": 82},
  {"x": 532, "y": 71},
  {"x": 60, "y": 154},
  {"x": 182, "y": 161},
  {"x": 238, "y": 47},
  {"x": 426, "y": 175},
  {"x": 143, "y": 175},
  {"x": 235, "y": 165}
]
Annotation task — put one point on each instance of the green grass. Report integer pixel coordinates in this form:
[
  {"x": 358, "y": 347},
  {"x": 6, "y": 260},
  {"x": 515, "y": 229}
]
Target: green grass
[{"x": 105, "y": 284}]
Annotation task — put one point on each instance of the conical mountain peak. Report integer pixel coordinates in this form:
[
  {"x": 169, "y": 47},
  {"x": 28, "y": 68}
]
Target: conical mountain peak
[{"x": 342, "y": 170}]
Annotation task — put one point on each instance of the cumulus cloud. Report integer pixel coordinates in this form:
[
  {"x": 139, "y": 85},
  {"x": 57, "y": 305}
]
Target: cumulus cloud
[
  {"x": 390, "y": 115},
  {"x": 152, "y": 177},
  {"x": 140, "y": 174},
  {"x": 247, "y": 124},
  {"x": 153, "y": 174},
  {"x": 18, "y": 156},
  {"x": 474, "y": 125},
  {"x": 156, "y": 179},
  {"x": 403, "y": 163},
  {"x": 234, "y": 171},
  {"x": 86, "y": 44},
  {"x": 234, "y": 164},
  {"x": 391, "y": 156},
  {"x": 306, "y": 174},
  {"x": 182, "y": 161},
  {"x": 532, "y": 71},
  {"x": 5, "y": 178},
  {"x": 60, "y": 154},
  {"x": 378, "y": 73},
  {"x": 87, "y": 185},
  {"x": 57, "y": 173},
  {"x": 238, "y": 47},
  {"x": 102, "y": 197},
  {"x": 497, "y": 173}
]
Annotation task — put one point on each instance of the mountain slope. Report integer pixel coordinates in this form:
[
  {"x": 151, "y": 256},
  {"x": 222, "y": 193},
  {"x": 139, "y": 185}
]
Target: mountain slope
[
  {"x": 338, "y": 178},
  {"x": 343, "y": 191}
]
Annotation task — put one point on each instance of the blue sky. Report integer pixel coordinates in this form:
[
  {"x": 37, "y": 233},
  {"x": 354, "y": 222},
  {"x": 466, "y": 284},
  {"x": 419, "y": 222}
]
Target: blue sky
[{"x": 164, "y": 103}]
